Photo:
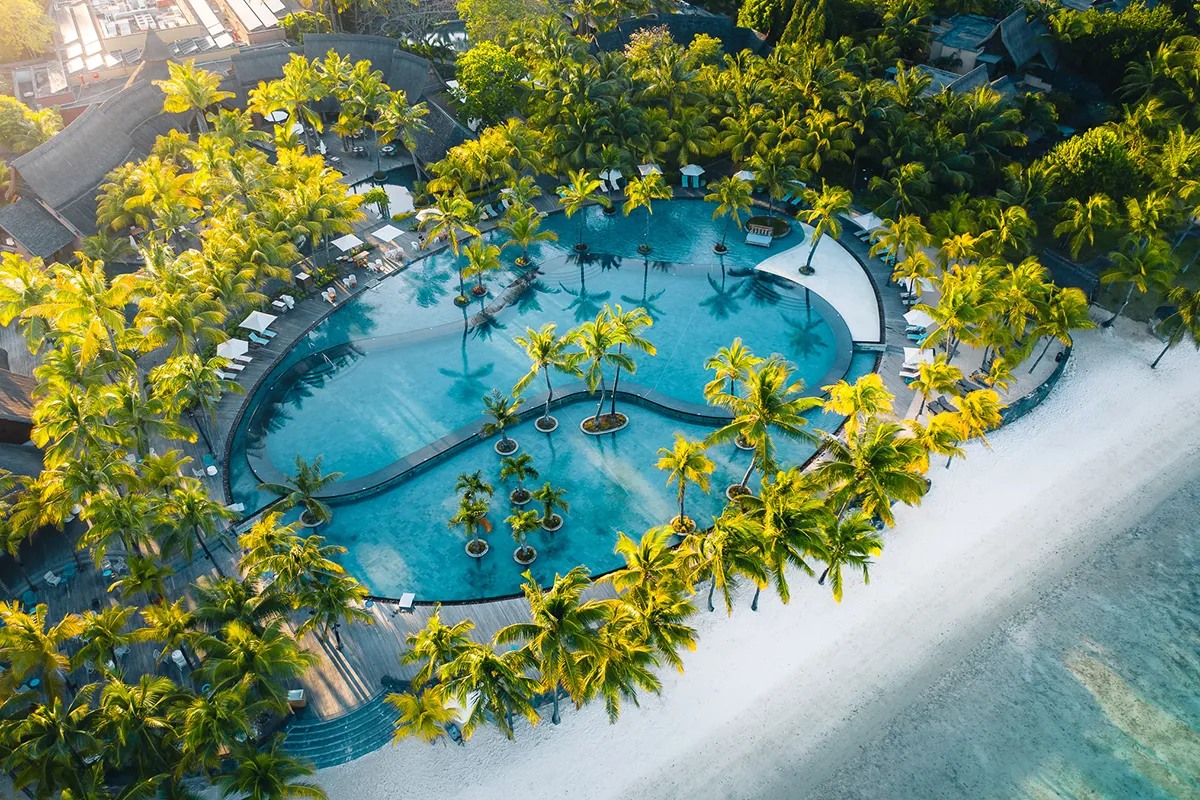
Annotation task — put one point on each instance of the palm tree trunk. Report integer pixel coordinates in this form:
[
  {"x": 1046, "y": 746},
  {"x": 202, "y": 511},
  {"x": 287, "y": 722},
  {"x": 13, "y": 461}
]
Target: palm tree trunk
[
  {"x": 725, "y": 233},
  {"x": 1128, "y": 296},
  {"x": 612, "y": 409},
  {"x": 337, "y": 636},
  {"x": 201, "y": 121},
  {"x": 749, "y": 469},
  {"x": 1163, "y": 353},
  {"x": 555, "y": 717},
  {"x": 1043, "y": 355},
  {"x": 549, "y": 393},
  {"x": 24, "y": 574},
  {"x": 207, "y": 554},
  {"x": 1184, "y": 235},
  {"x": 754, "y": 602},
  {"x": 200, "y": 428},
  {"x": 811, "y": 251},
  {"x": 600, "y": 405},
  {"x": 682, "y": 486},
  {"x": 712, "y": 586}
]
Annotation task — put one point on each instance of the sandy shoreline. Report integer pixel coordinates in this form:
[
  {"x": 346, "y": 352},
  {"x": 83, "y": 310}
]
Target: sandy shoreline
[{"x": 773, "y": 702}]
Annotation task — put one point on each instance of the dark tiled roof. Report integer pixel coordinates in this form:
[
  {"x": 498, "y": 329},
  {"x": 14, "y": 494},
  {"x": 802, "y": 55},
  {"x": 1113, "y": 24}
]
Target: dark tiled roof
[
  {"x": 21, "y": 459},
  {"x": 971, "y": 81},
  {"x": 1025, "y": 40},
  {"x": 251, "y": 66},
  {"x": 34, "y": 228},
  {"x": 16, "y": 404},
  {"x": 444, "y": 133},
  {"x": 966, "y": 31},
  {"x": 683, "y": 28}
]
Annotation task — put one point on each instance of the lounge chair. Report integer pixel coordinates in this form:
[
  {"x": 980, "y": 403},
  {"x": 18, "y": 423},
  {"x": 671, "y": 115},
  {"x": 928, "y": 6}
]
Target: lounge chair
[
  {"x": 210, "y": 466},
  {"x": 269, "y": 334},
  {"x": 52, "y": 579},
  {"x": 179, "y": 660},
  {"x": 288, "y": 300},
  {"x": 759, "y": 235},
  {"x": 406, "y": 602},
  {"x": 259, "y": 340},
  {"x": 227, "y": 376},
  {"x": 243, "y": 359},
  {"x": 199, "y": 473},
  {"x": 69, "y": 570},
  {"x": 235, "y": 367}
]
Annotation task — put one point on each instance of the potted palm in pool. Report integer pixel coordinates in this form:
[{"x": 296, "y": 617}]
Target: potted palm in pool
[
  {"x": 518, "y": 467},
  {"x": 301, "y": 489},
  {"x": 472, "y": 518},
  {"x": 503, "y": 411},
  {"x": 522, "y": 523},
  {"x": 551, "y": 498}
]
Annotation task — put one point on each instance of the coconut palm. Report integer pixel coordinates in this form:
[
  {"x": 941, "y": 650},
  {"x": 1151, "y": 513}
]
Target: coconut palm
[
  {"x": 332, "y": 600},
  {"x": 302, "y": 487},
  {"x": 494, "y": 685},
  {"x": 847, "y": 542},
  {"x": 773, "y": 405},
  {"x": 628, "y": 326},
  {"x": 422, "y": 716},
  {"x": 134, "y": 723},
  {"x": 186, "y": 320},
  {"x": 906, "y": 234},
  {"x": 24, "y": 285},
  {"x": 147, "y": 575},
  {"x": 472, "y": 486},
  {"x": 641, "y": 193},
  {"x": 551, "y": 499},
  {"x": 906, "y": 187},
  {"x": 685, "y": 463},
  {"x": 504, "y": 410},
  {"x": 260, "y": 663},
  {"x": 621, "y": 665},
  {"x": 870, "y": 469},
  {"x": 31, "y": 649},
  {"x": 790, "y": 516},
  {"x": 482, "y": 258},
  {"x": 472, "y": 517},
  {"x": 941, "y": 435},
  {"x": 85, "y": 303},
  {"x": 114, "y": 519},
  {"x": 777, "y": 170},
  {"x": 730, "y": 365},
  {"x": 49, "y": 745},
  {"x": 396, "y": 119},
  {"x": 195, "y": 515},
  {"x": 268, "y": 773},
  {"x": 193, "y": 89},
  {"x": 1066, "y": 310},
  {"x": 860, "y": 401},
  {"x": 732, "y": 196},
  {"x": 437, "y": 644},
  {"x": 211, "y": 725},
  {"x": 727, "y": 551},
  {"x": 521, "y": 468},
  {"x": 1081, "y": 221},
  {"x": 599, "y": 340},
  {"x": 139, "y": 418},
  {"x": 219, "y": 602},
  {"x": 562, "y": 625},
  {"x": 1186, "y": 319},
  {"x": 936, "y": 378},
  {"x": 522, "y": 523},
  {"x": 172, "y": 625},
  {"x": 979, "y": 412},
  {"x": 103, "y": 633},
  {"x": 452, "y": 214},
  {"x": 546, "y": 351},
  {"x": 266, "y": 539},
  {"x": 522, "y": 224},
  {"x": 1143, "y": 264},
  {"x": 580, "y": 191},
  {"x": 826, "y": 206},
  {"x": 302, "y": 566}
]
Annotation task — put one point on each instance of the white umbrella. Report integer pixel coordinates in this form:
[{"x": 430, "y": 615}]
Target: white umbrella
[
  {"x": 691, "y": 169},
  {"x": 919, "y": 318},
  {"x": 425, "y": 212},
  {"x": 745, "y": 175},
  {"x": 506, "y": 190},
  {"x": 924, "y": 283},
  {"x": 868, "y": 221},
  {"x": 646, "y": 169},
  {"x": 277, "y": 116},
  {"x": 233, "y": 348},
  {"x": 347, "y": 242},
  {"x": 257, "y": 321},
  {"x": 915, "y": 355},
  {"x": 387, "y": 232},
  {"x": 297, "y": 129}
]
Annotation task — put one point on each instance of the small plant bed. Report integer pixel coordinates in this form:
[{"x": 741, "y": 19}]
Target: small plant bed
[
  {"x": 610, "y": 210},
  {"x": 581, "y": 248},
  {"x": 506, "y": 447},
  {"x": 546, "y": 424},
  {"x": 478, "y": 291},
  {"x": 524, "y": 555},
  {"x": 605, "y": 423},
  {"x": 522, "y": 262},
  {"x": 477, "y": 549},
  {"x": 307, "y": 520},
  {"x": 683, "y": 526},
  {"x": 552, "y": 524},
  {"x": 519, "y": 497},
  {"x": 720, "y": 249},
  {"x": 736, "y": 491},
  {"x": 462, "y": 301},
  {"x": 741, "y": 443},
  {"x": 805, "y": 269},
  {"x": 644, "y": 248},
  {"x": 779, "y": 227}
]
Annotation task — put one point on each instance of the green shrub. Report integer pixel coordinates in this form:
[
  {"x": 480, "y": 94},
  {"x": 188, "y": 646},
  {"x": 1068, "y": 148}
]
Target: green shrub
[
  {"x": 489, "y": 82},
  {"x": 1097, "y": 160}
]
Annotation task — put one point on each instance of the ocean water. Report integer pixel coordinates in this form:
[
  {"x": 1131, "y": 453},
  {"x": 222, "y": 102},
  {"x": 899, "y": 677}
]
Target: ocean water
[{"x": 1091, "y": 691}]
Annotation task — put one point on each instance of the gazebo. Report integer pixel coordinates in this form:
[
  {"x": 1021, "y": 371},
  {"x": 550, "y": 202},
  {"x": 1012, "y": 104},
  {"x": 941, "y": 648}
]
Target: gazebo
[{"x": 691, "y": 175}]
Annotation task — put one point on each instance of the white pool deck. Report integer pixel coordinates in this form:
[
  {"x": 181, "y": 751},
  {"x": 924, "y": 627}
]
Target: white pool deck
[{"x": 839, "y": 279}]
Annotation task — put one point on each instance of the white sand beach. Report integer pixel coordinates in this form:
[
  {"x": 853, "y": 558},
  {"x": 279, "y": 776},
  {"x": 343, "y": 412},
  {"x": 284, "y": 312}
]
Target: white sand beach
[{"x": 774, "y": 702}]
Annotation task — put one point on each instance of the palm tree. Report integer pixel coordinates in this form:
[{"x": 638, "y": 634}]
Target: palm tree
[
  {"x": 790, "y": 516},
  {"x": 228, "y": 600},
  {"x": 103, "y": 632},
  {"x": 551, "y": 499},
  {"x": 1186, "y": 318},
  {"x": 546, "y": 351},
  {"x": 979, "y": 412},
  {"x": 519, "y": 467},
  {"x": 423, "y": 716},
  {"x": 826, "y": 204},
  {"x": 906, "y": 188},
  {"x": 941, "y": 435},
  {"x": 301, "y": 566},
  {"x": 473, "y": 486},
  {"x": 396, "y": 119},
  {"x": 260, "y": 664},
  {"x": 641, "y": 193},
  {"x": 1081, "y": 221},
  {"x": 724, "y": 553},
  {"x": 578, "y": 193},
  {"x": 134, "y": 723},
  {"x": 146, "y": 574},
  {"x": 651, "y": 565},
  {"x": 33, "y": 650},
  {"x": 472, "y": 517},
  {"x": 332, "y": 600},
  {"x": 936, "y": 378},
  {"x": 522, "y": 523},
  {"x": 197, "y": 515},
  {"x": 436, "y": 644},
  {"x": 599, "y": 341},
  {"x": 906, "y": 234},
  {"x": 211, "y": 725},
  {"x": 24, "y": 285},
  {"x": 628, "y": 326},
  {"x": 364, "y": 94},
  {"x": 561, "y": 626},
  {"x": 495, "y": 685},
  {"x": 172, "y": 625},
  {"x": 685, "y": 463},
  {"x": 777, "y": 170},
  {"x": 504, "y": 410},
  {"x": 482, "y": 258},
  {"x": 268, "y": 773},
  {"x": 451, "y": 214},
  {"x": 870, "y": 469},
  {"x": 522, "y": 224},
  {"x": 84, "y": 302},
  {"x": 730, "y": 365},
  {"x": 622, "y": 663},
  {"x": 1066, "y": 310},
  {"x": 139, "y": 417},
  {"x": 1144, "y": 264},
  {"x": 191, "y": 88},
  {"x": 302, "y": 487},
  {"x": 772, "y": 405},
  {"x": 50, "y": 744},
  {"x": 732, "y": 196},
  {"x": 847, "y": 542},
  {"x": 864, "y": 399}
]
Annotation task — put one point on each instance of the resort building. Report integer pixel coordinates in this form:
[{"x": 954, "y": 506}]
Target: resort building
[{"x": 968, "y": 41}]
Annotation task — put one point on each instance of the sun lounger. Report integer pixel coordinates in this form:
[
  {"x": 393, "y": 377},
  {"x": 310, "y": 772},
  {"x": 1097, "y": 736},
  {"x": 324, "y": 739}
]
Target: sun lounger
[
  {"x": 199, "y": 473},
  {"x": 243, "y": 359},
  {"x": 406, "y": 602},
  {"x": 237, "y": 508},
  {"x": 210, "y": 466},
  {"x": 52, "y": 579},
  {"x": 178, "y": 659},
  {"x": 259, "y": 340},
  {"x": 235, "y": 367},
  {"x": 506, "y": 202},
  {"x": 269, "y": 334},
  {"x": 227, "y": 376},
  {"x": 910, "y": 371},
  {"x": 759, "y": 235}
]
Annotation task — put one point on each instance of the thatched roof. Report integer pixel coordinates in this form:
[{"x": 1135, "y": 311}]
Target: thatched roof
[
  {"x": 253, "y": 65},
  {"x": 971, "y": 81},
  {"x": 34, "y": 228},
  {"x": 1024, "y": 40},
  {"x": 683, "y": 28},
  {"x": 16, "y": 402},
  {"x": 444, "y": 133},
  {"x": 21, "y": 459}
]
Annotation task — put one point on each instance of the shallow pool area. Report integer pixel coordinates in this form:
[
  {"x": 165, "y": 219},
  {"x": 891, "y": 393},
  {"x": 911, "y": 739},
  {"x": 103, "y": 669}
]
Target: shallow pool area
[{"x": 399, "y": 367}]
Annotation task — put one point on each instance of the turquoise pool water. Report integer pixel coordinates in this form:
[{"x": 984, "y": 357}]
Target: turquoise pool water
[{"x": 404, "y": 369}]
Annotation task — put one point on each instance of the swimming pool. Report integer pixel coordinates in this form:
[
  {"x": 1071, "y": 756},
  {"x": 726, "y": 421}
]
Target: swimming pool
[{"x": 399, "y": 367}]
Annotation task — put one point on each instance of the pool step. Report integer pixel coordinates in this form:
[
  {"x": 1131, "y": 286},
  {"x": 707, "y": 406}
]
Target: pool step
[
  {"x": 325, "y": 372},
  {"x": 328, "y": 743}
]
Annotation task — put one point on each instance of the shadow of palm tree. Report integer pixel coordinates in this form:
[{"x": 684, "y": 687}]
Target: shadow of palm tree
[
  {"x": 586, "y": 305},
  {"x": 468, "y": 383},
  {"x": 647, "y": 300},
  {"x": 761, "y": 288},
  {"x": 804, "y": 337},
  {"x": 724, "y": 302},
  {"x": 428, "y": 285}
]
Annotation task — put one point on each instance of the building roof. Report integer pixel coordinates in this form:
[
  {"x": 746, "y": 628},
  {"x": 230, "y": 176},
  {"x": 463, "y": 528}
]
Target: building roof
[
  {"x": 153, "y": 66},
  {"x": 1025, "y": 40},
  {"x": 16, "y": 402},
  {"x": 444, "y": 132},
  {"x": 683, "y": 28},
  {"x": 20, "y": 459},
  {"x": 34, "y": 228},
  {"x": 966, "y": 31}
]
